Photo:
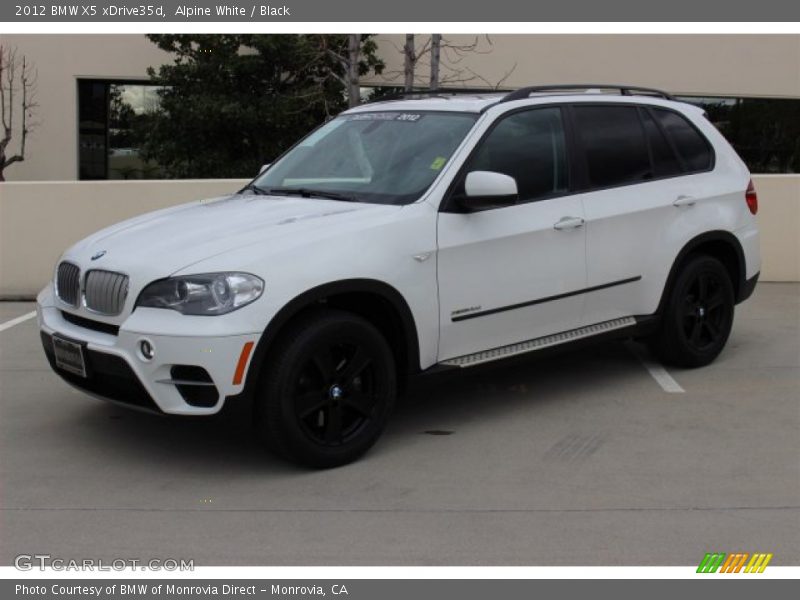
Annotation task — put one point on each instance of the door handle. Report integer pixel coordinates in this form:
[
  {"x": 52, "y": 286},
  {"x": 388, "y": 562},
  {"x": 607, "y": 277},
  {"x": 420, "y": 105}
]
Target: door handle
[
  {"x": 683, "y": 200},
  {"x": 565, "y": 223}
]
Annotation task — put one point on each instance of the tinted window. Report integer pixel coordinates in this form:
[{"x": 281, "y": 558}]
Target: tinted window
[
  {"x": 692, "y": 147},
  {"x": 112, "y": 124},
  {"x": 615, "y": 146},
  {"x": 763, "y": 131},
  {"x": 530, "y": 147},
  {"x": 665, "y": 163},
  {"x": 92, "y": 124}
]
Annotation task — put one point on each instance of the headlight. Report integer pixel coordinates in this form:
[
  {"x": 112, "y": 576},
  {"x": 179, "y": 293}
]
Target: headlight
[{"x": 204, "y": 294}]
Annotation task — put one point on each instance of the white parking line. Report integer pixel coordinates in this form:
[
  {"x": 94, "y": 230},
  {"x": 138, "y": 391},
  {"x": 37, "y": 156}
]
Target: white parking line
[
  {"x": 658, "y": 372},
  {"x": 17, "y": 320}
]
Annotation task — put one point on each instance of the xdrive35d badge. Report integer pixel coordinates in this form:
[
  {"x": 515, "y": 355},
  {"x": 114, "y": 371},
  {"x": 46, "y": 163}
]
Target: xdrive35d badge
[{"x": 548, "y": 215}]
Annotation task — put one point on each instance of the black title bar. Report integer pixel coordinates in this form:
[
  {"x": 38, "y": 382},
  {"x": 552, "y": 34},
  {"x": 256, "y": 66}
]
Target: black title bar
[{"x": 406, "y": 11}]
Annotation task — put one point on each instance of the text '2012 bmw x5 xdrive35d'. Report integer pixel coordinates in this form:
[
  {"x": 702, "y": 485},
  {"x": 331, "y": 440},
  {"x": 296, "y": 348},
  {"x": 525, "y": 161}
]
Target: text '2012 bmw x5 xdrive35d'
[{"x": 414, "y": 235}]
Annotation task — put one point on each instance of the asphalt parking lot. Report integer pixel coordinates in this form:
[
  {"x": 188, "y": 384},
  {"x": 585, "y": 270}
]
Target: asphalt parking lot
[{"x": 578, "y": 459}]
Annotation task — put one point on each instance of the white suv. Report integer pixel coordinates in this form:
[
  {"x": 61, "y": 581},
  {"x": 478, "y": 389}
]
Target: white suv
[{"x": 411, "y": 236}]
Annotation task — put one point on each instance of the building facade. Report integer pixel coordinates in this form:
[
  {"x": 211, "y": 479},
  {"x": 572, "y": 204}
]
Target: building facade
[
  {"x": 82, "y": 170},
  {"x": 90, "y": 87}
]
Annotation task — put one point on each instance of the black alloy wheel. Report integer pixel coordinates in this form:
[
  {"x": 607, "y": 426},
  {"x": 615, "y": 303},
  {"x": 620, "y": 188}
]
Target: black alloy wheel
[
  {"x": 327, "y": 389},
  {"x": 705, "y": 311},
  {"x": 335, "y": 396},
  {"x": 698, "y": 315}
]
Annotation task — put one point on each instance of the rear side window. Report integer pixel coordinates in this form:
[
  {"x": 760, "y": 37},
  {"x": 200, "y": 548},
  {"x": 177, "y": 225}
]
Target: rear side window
[
  {"x": 614, "y": 144},
  {"x": 665, "y": 162},
  {"x": 530, "y": 147},
  {"x": 693, "y": 148}
]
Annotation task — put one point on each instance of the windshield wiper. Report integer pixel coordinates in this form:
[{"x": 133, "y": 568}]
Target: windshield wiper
[
  {"x": 252, "y": 187},
  {"x": 309, "y": 193}
]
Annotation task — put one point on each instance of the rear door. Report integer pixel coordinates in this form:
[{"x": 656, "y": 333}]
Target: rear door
[{"x": 638, "y": 189}]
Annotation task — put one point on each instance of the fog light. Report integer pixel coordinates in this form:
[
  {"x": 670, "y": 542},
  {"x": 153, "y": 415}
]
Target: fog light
[{"x": 147, "y": 350}]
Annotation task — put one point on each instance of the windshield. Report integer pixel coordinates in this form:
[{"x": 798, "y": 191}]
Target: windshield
[{"x": 380, "y": 157}]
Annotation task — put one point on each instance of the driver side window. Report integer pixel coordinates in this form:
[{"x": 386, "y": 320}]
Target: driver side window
[{"x": 529, "y": 146}]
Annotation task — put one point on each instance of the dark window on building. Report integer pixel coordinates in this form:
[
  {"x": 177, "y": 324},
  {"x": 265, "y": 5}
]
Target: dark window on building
[
  {"x": 111, "y": 122},
  {"x": 92, "y": 129},
  {"x": 614, "y": 144},
  {"x": 530, "y": 147},
  {"x": 765, "y": 132},
  {"x": 693, "y": 148},
  {"x": 665, "y": 162}
]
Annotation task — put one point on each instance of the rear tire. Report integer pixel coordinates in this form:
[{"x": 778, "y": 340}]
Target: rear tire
[
  {"x": 327, "y": 390},
  {"x": 698, "y": 316}
]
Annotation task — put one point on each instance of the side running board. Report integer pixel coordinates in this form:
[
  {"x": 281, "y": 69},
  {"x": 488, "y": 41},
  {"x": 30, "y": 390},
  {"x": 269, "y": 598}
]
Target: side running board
[{"x": 469, "y": 360}]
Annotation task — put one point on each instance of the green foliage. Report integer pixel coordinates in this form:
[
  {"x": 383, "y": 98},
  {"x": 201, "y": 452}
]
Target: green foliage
[{"x": 230, "y": 103}]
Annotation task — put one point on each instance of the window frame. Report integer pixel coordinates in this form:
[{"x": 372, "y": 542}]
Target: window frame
[
  {"x": 709, "y": 146},
  {"x": 449, "y": 203},
  {"x": 345, "y": 113},
  {"x": 734, "y": 122},
  {"x": 107, "y": 83},
  {"x": 583, "y": 182},
  {"x": 644, "y": 110}
]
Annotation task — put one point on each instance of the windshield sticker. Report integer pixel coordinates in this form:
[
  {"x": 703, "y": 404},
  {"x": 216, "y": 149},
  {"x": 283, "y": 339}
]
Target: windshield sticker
[
  {"x": 386, "y": 116},
  {"x": 438, "y": 163}
]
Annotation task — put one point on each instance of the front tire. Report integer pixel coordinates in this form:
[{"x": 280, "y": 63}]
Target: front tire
[
  {"x": 327, "y": 390},
  {"x": 698, "y": 316}
]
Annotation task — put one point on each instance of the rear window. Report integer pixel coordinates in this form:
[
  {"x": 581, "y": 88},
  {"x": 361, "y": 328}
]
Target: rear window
[
  {"x": 692, "y": 147},
  {"x": 614, "y": 144},
  {"x": 665, "y": 162}
]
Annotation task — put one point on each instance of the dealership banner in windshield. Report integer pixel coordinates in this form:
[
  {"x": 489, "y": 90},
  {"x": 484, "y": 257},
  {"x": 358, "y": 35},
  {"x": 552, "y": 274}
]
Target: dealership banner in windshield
[{"x": 154, "y": 11}]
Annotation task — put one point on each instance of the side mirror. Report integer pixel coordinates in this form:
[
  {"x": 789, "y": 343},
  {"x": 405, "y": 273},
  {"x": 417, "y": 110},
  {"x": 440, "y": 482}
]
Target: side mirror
[
  {"x": 488, "y": 189},
  {"x": 264, "y": 168}
]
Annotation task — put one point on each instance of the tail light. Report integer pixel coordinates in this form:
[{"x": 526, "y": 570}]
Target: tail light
[{"x": 751, "y": 197}]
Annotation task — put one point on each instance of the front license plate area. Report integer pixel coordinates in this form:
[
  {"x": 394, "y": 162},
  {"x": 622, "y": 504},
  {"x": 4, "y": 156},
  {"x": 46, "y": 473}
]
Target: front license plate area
[{"x": 69, "y": 356}]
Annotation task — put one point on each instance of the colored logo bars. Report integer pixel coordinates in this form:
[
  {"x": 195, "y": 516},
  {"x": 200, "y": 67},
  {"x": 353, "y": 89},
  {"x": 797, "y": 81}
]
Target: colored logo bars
[{"x": 734, "y": 563}]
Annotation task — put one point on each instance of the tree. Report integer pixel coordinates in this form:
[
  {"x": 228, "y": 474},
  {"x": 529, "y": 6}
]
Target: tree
[
  {"x": 356, "y": 56},
  {"x": 17, "y": 90},
  {"x": 436, "y": 58},
  {"x": 447, "y": 61},
  {"x": 230, "y": 103},
  {"x": 410, "y": 58}
]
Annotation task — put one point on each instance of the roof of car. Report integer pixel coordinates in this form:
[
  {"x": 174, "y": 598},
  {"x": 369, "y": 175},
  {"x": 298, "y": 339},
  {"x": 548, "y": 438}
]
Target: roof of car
[
  {"x": 457, "y": 103},
  {"x": 477, "y": 102}
]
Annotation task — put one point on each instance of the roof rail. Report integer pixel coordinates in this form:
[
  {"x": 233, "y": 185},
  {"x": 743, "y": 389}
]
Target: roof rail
[
  {"x": 624, "y": 90},
  {"x": 404, "y": 95}
]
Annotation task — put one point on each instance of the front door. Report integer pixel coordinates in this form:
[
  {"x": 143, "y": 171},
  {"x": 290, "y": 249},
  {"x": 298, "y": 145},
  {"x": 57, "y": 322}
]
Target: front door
[{"x": 509, "y": 274}]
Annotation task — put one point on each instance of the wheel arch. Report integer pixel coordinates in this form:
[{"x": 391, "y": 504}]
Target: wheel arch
[
  {"x": 722, "y": 245},
  {"x": 380, "y": 303}
]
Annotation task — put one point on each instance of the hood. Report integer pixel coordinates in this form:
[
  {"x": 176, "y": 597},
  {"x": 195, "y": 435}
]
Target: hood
[{"x": 160, "y": 243}]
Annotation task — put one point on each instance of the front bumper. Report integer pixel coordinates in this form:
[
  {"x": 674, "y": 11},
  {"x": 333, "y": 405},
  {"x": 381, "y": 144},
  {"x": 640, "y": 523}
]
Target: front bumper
[{"x": 189, "y": 374}]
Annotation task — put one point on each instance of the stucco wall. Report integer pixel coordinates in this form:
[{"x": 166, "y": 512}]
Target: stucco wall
[{"x": 38, "y": 220}]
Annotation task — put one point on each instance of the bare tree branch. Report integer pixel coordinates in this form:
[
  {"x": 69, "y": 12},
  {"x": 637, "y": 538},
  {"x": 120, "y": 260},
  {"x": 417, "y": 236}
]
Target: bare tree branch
[
  {"x": 15, "y": 76},
  {"x": 446, "y": 61}
]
